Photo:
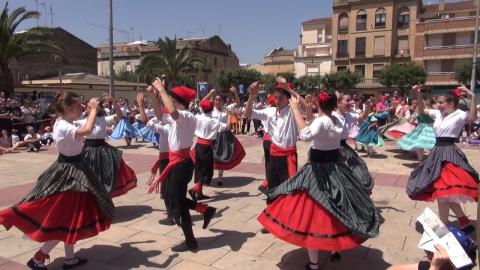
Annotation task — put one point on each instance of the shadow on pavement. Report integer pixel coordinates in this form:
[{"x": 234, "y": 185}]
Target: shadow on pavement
[
  {"x": 223, "y": 195},
  {"x": 133, "y": 146},
  {"x": 410, "y": 165},
  {"x": 357, "y": 258},
  {"x": 232, "y": 239},
  {"x": 129, "y": 212},
  {"x": 218, "y": 214},
  {"x": 233, "y": 182}
]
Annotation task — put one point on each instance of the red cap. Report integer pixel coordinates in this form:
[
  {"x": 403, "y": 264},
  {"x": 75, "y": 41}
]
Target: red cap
[
  {"x": 271, "y": 100},
  {"x": 48, "y": 129},
  {"x": 184, "y": 93},
  {"x": 206, "y": 105},
  {"x": 286, "y": 86}
]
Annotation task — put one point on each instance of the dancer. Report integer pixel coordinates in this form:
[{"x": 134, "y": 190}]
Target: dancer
[
  {"x": 179, "y": 170},
  {"x": 124, "y": 128},
  {"x": 68, "y": 203},
  {"x": 368, "y": 134},
  {"x": 266, "y": 146},
  {"x": 307, "y": 211},
  {"x": 105, "y": 160},
  {"x": 348, "y": 155},
  {"x": 445, "y": 175},
  {"x": 207, "y": 129}
]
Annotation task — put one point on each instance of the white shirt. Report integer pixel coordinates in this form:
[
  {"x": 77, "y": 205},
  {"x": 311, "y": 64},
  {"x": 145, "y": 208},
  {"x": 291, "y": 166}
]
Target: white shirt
[
  {"x": 150, "y": 113},
  {"x": 323, "y": 133},
  {"x": 30, "y": 137},
  {"x": 27, "y": 114},
  {"x": 162, "y": 129},
  {"x": 347, "y": 121},
  {"x": 64, "y": 136},
  {"x": 222, "y": 115},
  {"x": 124, "y": 110},
  {"x": 182, "y": 132},
  {"x": 281, "y": 126},
  {"x": 100, "y": 127},
  {"x": 450, "y": 125},
  {"x": 208, "y": 127}
]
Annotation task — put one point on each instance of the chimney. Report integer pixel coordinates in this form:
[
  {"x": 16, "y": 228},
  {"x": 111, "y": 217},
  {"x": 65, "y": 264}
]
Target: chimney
[{"x": 441, "y": 5}]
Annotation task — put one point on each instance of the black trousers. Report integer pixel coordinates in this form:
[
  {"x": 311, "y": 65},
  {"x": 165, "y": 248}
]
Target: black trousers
[
  {"x": 176, "y": 197},
  {"x": 246, "y": 123},
  {"x": 203, "y": 163},
  {"x": 256, "y": 124},
  {"x": 266, "y": 153},
  {"x": 278, "y": 172},
  {"x": 163, "y": 165}
]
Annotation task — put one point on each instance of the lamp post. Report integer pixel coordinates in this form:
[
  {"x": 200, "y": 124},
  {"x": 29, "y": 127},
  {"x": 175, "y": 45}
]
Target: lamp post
[
  {"x": 58, "y": 62},
  {"x": 110, "y": 58},
  {"x": 138, "y": 77}
]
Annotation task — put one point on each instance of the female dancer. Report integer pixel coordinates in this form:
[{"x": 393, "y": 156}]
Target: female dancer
[
  {"x": 348, "y": 155},
  {"x": 324, "y": 206},
  {"x": 368, "y": 134},
  {"x": 105, "y": 160},
  {"x": 68, "y": 203},
  {"x": 445, "y": 175}
]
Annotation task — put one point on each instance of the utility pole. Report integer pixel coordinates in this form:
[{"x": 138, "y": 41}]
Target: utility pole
[
  {"x": 36, "y": 8},
  {"x": 51, "y": 16},
  {"x": 110, "y": 59},
  {"x": 473, "y": 83},
  {"x": 44, "y": 4}
]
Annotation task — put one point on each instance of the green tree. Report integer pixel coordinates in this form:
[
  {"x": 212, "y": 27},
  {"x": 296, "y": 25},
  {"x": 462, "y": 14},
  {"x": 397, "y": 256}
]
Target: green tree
[
  {"x": 126, "y": 76},
  {"x": 174, "y": 63},
  {"x": 340, "y": 80},
  {"x": 14, "y": 46},
  {"x": 463, "y": 72},
  {"x": 308, "y": 84},
  {"x": 402, "y": 76},
  {"x": 289, "y": 76},
  {"x": 236, "y": 77},
  {"x": 269, "y": 82}
]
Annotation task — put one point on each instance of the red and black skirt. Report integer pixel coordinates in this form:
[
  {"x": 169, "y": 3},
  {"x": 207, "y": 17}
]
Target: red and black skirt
[
  {"x": 228, "y": 152},
  {"x": 445, "y": 173},
  {"x": 107, "y": 163},
  {"x": 322, "y": 207},
  {"x": 357, "y": 165},
  {"x": 67, "y": 204}
]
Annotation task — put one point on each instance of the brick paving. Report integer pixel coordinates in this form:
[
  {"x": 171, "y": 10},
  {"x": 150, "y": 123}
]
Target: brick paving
[{"x": 233, "y": 241}]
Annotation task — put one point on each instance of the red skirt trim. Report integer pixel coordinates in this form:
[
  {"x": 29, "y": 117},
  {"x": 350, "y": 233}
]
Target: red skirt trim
[
  {"x": 300, "y": 220},
  {"x": 453, "y": 180},
  {"x": 127, "y": 180},
  {"x": 66, "y": 216},
  {"x": 396, "y": 134},
  {"x": 238, "y": 156}
]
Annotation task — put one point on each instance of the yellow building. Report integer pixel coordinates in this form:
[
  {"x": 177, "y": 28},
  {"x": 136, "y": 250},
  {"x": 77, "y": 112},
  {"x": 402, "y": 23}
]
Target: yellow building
[
  {"x": 276, "y": 62},
  {"x": 369, "y": 34},
  {"x": 314, "y": 54}
]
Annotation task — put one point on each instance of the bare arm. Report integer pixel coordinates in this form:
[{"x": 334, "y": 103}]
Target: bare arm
[
  {"x": 155, "y": 103},
  {"x": 141, "y": 105},
  {"x": 472, "y": 117},
  {"x": 167, "y": 101},
  {"x": 297, "y": 114},
  {"x": 210, "y": 94},
  {"x": 309, "y": 110},
  {"x": 118, "y": 110},
  {"x": 420, "y": 103},
  {"x": 233, "y": 89},
  {"x": 88, "y": 128},
  {"x": 367, "y": 110},
  {"x": 253, "y": 89}
]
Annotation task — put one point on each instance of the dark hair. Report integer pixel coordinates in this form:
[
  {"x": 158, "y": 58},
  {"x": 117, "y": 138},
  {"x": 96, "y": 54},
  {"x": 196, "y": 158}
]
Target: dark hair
[
  {"x": 64, "y": 100},
  {"x": 221, "y": 96},
  {"x": 451, "y": 97},
  {"x": 283, "y": 92},
  {"x": 330, "y": 104}
]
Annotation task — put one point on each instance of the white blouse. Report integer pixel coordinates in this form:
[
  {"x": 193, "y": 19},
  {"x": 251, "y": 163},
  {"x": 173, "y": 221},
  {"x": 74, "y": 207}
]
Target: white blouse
[
  {"x": 222, "y": 115},
  {"x": 64, "y": 136},
  {"x": 347, "y": 121},
  {"x": 208, "y": 127},
  {"x": 448, "y": 125},
  {"x": 182, "y": 131},
  {"x": 323, "y": 133},
  {"x": 281, "y": 125},
  {"x": 100, "y": 127},
  {"x": 162, "y": 130}
]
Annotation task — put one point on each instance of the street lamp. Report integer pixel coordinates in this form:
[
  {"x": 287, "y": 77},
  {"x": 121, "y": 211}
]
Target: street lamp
[
  {"x": 110, "y": 58},
  {"x": 137, "y": 73},
  {"x": 58, "y": 63}
]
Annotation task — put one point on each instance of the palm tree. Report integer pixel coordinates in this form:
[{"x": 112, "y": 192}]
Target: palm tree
[
  {"x": 14, "y": 45},
  {"x": 170, "y": 61}
]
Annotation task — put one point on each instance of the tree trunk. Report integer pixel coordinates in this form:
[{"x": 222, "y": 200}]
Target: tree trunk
[{"x": 7, "y": 82}]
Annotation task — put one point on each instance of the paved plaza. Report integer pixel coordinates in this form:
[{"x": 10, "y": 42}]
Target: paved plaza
[{"x": 233, "y": 239}]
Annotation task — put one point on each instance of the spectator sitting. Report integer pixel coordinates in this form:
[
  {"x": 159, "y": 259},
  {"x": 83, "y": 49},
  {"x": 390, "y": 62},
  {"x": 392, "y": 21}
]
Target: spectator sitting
[
  {"x": 47, "y": 137},
  {"x": 15, "y": 137},
  {"x": 32, "y": 140}
]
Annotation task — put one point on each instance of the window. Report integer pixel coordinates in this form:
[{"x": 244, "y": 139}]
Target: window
[
  {"x": 343, "y": 23},
  {"x": 360, "y": 46},
  {"x": 342, "y": 48},
  {"x": 313, "y": 71},
  {"x": 128, "y": 67},
  {"x": 403, "y": 17},
  {"x": 380, "y": 18},
  {"x": 360, "y": 69},
  {"x": 379, "y": 46},
  {"x": 320, "y": 35},
  {"x": 377, "y": 68},
  {"x": 341, "y": 68},
  {"x": 215, "y": 61},
  {"x": 403, "y": 48},
  {"x": 361, "y": 20}
]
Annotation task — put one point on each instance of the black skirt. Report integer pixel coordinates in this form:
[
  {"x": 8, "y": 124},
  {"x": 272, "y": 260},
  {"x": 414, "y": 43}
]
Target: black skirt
[
  {"x": 430, "y": 168},
  {"x": 334, "y": 186},
  {"x": 224, "y": 147},
  {"x": 357, "y": 165}
]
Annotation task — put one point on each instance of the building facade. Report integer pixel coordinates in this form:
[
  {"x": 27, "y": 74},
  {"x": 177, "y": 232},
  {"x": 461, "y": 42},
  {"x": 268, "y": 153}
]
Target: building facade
[
  {"x": 314, "y": 54},
  {"x": 278, "y": 61},
  {"x": 444, "y": 39},
  {"x": 367, "y": 35},
  {"x": 217, "y": 54}
]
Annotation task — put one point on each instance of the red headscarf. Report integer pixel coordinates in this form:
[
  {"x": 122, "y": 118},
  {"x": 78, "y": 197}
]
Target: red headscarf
[{"x": 271, "y": 101}]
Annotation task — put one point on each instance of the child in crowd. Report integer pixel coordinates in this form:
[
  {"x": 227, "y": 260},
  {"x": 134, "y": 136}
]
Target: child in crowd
[
  {"x": 47, "y": 137},
  {"x": 32, "y": 140}
]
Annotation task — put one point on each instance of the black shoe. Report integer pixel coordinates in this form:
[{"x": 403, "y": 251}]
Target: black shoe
[
  {"x": 183, "y": 247},
  {"x": 335, "y": 258},
  {"x": 220, "y": 183},
  {"x": 201, "y": 197},
  {"x": 192, "y": 194},
  {"x": 34, "y": 266},
  {"x": 468, "y": 229},
  {"x": 264, "y": 231},
  {"x": 167, "y": 222},
  {"x": 80, "y": 261},
  {"x": 207, "y": 217},
  {"x": 263, "y": 189}
]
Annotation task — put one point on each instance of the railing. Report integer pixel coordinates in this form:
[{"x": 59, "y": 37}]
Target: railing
[
  {"x": 460, "y": 46},
  {"x": 449, "y": 19},
  {"x": 368, "y": 82},
  {"x": 342, "y": 55}
]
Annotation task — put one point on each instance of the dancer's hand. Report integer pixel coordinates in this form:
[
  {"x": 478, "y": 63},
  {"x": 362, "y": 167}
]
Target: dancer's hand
[
  {"x": 140, "y": 99},
  {"x": 151, "y": 90},
  {"x": 440, "y": 257},
  {"x": 233, "y": 89},
  {"x": 417, "y": 89},
  {"x": 93, "y": 104},
  {"x": 281, "y": 80},
  {"x": 294, "y": 103},
  {"x": 159, "y": 85},
  {"x": 465, "y": 90},
  {"x": 309, "y": 100},
  {"x": 253, "y": 89}
]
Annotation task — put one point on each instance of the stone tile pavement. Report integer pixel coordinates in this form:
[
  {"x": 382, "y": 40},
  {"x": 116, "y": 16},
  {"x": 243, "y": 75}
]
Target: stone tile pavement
[{"x": 232, "y": 241}]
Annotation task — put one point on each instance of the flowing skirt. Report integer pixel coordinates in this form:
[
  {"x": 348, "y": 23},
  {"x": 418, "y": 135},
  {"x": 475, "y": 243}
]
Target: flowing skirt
[{"x": 422, "y": 137}]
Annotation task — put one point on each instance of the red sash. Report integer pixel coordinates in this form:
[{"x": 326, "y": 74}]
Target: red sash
[
  {"x": 174, "y": 159},
  {"x": 266, "y": 137},
  {"x": 205, "y": 141},
  {"x": 290, "y": 153},
  {"x": 156, "y": 165}
]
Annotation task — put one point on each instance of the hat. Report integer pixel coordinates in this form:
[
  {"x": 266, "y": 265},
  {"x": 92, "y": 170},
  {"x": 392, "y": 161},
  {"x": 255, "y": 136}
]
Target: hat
[
  {"x": 206, "y": 105},
  {"x": 284, "y": 87},
  {"x": 271, "y": 100},
  {"x": 183, "y": 94}
]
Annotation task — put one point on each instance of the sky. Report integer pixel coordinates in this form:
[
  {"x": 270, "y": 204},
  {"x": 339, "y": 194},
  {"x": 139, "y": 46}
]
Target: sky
[{"x": 253, "y": 27}]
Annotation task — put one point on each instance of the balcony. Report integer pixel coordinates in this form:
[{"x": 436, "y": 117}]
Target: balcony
[
  {"x": 449, "y": 25},
  {"x": 342, "y": 56},
  {"x": 366, "y": 83},
  {"x": 440, "y": 78},
  {"x": 446, "y": 52}
]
